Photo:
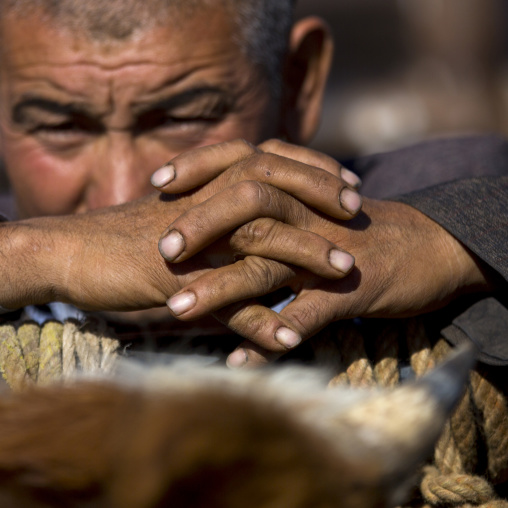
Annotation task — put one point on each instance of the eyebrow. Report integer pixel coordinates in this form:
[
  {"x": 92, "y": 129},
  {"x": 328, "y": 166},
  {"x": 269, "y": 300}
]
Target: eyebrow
[
  {"x": 65, "y": 108},
  {"x": 49, "y": 105},
  {"x": 183, "y": 98}
]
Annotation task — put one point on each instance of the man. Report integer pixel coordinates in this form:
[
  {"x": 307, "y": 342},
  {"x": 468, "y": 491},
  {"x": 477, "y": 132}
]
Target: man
[{"x": 94, "y": 97}]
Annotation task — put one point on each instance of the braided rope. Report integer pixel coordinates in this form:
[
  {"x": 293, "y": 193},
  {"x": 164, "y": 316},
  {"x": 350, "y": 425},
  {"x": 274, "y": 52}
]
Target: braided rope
[
  {"x": 493, "y": 407},
  {"x": 356, "y": 368},
  {"x": 453, "y": 452},
  {"x": 386, "y": 361}
]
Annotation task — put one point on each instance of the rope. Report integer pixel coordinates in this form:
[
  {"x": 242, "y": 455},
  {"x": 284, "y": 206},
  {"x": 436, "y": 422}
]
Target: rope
[
  {"x": 32, "y": 354},
  {"x": 456, "y": 476},
  {"x": 494, "y": 413},
  {"x": 356, "y": 369},
  {"x": 454, "y": 488}
]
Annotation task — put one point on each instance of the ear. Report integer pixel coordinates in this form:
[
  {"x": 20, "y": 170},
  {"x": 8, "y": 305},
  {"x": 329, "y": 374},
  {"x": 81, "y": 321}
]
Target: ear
[
  {"x": 305, "y": 75},
  {"x": 389, "y": 435}
]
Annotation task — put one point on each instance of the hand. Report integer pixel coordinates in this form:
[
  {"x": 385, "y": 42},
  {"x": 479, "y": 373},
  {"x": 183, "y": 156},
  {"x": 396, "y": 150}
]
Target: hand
[
  {"x": 406, "y": 264},
  {"x": 103, "y": 260},
  {"x": 108, "y": 259},
  {"x": 285, "y": 237}
]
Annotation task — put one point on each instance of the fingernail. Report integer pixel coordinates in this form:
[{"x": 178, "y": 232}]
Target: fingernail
[
  {"x": 237, "y": 359},
  {"x": 163, "y": 176},
  {"x": 288, "y": 338},
  {"x": 350, "y": 200},
  {"x": 172, "y": 245},
  {"x": 351, "y": 178},
  {"x": 341, "y": 261},
  {"x": 181, "y": 303}
]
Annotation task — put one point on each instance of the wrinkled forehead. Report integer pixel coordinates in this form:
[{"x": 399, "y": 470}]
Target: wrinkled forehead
[{"x": 32, "y": 39}]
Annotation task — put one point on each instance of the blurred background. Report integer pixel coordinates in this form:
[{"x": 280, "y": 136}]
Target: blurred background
[{"x": 409, "y": 70}]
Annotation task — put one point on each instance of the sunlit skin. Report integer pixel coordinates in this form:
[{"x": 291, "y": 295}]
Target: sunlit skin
[{"x": 85, "y": 124}]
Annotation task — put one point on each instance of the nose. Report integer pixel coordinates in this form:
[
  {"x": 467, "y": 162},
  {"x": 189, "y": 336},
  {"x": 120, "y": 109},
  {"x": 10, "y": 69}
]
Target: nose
[{"x": 120, "y": 173}]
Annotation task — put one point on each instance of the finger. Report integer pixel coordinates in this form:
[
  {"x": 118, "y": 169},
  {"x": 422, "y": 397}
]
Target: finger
[
  {"x": 247, "y": 278},
  {"x": 312, "y": 185},
  {"x": 197, "y": 167},
  {"x": 309, "y": 184},
  {"x": 272, "y": 239},
  {"x": 311, "y": 158},
  {"x": 268, "y": 335},
  {"x": 308, "y": 313},
  {"x": 320, "y": 304},
  {"x": 233, "y": 207},
  {"x": 249, "y": 355}
]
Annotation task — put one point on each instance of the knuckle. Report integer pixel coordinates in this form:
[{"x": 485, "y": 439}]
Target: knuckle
[
  {"x": 253, "y": 234},
  {"x": 263, "y": 165},
  {"x": 252, "y": 324},
  {"x": 304, "y": 319},
  {"x": 272, "y": 145},
  {"x": 255, "y": 194},
  {"x": 259, "y": 166},
  {"x": 266, "y": 275}
]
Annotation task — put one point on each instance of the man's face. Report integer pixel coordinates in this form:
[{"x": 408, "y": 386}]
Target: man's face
[{"x": 84, "y": 124}]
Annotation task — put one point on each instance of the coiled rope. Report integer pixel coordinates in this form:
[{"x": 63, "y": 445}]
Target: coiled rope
[{"x": 470, "y": 459}]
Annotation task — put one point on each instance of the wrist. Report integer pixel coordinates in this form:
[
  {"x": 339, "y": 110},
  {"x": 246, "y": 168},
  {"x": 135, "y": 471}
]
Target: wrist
[{"x": 26, "y": 274}]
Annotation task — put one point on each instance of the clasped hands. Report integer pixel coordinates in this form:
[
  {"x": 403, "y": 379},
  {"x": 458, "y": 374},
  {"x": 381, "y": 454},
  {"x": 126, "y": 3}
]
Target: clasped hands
[
  {"x": 241, "y": 222},
  {"x": 263, "y": 229},
  {"x": 281, "y": 215}
]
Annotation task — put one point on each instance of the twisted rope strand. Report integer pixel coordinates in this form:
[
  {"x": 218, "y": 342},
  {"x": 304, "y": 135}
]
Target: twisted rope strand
[
  {"x": 454, "y": 488},
  {"x": 492, "y": 404},
  {"x": 33, "y": 354}
]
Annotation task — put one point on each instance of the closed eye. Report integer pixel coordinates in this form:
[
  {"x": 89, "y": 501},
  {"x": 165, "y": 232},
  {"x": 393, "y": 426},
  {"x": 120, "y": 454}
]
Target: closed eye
[
  {"x": 66, "y": 133},
  {"x": 196, "y": 108},
  {"x": 163, "y": 120}
]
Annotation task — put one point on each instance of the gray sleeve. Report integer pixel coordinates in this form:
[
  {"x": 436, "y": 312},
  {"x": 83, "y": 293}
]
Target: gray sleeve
[
  {"x": 473, "y": 210},
  {"x": 430, "y": 163}
]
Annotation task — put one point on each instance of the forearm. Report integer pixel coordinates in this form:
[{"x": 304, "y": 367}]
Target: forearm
[
  {"x": 27, "y": 277},
  {"x": 105, "y": 260},
  {"x": 474, "y": 211}
]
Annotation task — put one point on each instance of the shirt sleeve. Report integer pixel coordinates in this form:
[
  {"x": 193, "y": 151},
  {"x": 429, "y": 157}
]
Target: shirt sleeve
[{"x": 473, "y": 210}]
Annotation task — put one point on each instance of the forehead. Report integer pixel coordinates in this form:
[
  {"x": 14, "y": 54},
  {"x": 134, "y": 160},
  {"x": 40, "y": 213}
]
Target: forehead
[{"x": 31, "y": 48}]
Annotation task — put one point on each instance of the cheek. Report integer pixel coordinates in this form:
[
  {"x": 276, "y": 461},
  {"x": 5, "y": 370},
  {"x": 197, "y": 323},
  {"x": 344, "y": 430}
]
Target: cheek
[{"x": 43, "y": 184}]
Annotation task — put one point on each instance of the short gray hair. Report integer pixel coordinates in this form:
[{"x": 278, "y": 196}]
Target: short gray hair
[{"x": 263, "y": 26}]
